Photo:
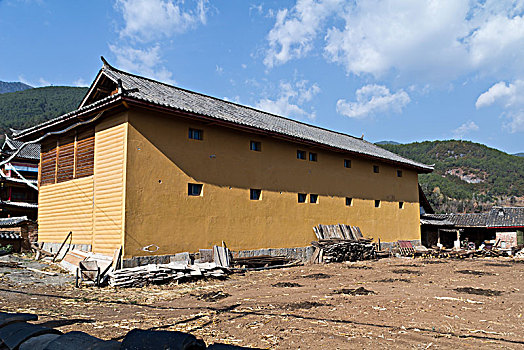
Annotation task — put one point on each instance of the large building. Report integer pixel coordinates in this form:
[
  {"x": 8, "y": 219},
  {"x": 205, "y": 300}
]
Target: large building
[{"x": 160, "y": 170}]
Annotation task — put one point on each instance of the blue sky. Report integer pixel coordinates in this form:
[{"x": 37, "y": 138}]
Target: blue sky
[{"x": 407, "y": 71}]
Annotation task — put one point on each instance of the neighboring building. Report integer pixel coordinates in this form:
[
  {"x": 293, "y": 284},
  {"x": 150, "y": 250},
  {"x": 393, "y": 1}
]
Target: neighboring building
[
  {"x": 18, "y": 232},
  {"x": 18, "y": 180},
  {"x": 160, "y": 170},
  {"x": 475, "y": 227}
]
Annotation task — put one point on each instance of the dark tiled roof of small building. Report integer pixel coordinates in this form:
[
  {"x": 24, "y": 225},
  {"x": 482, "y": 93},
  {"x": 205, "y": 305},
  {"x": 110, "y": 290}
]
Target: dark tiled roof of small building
[
  {"x": 434, "y": 220},
  {"x": 20, "y": 204},
  {"x": 14, "y": 221},
  {"x": 10, "y": 235},
  {"x": 163, "y": 95},
  {"x": 30, "y": 151},
  {"x": 497, "y": 217}
]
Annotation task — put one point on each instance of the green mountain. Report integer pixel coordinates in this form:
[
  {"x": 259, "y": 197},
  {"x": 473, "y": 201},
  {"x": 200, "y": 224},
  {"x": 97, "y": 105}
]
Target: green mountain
[
  {"x": 6, "y": 87},
  {"x": 22, "y": 109},
  {"x": 468, "y": 176},
  {"x": 387, "y": 143}
]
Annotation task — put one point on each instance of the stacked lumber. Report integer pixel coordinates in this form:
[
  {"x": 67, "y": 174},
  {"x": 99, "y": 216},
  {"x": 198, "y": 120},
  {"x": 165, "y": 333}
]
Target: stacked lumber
[
  {"x": 340, "y": 242},
  {"x": 338, "y": 231},
  {"x": 260, "y": 261},
  {"x": 163, "y": 273},
  {"x": 338, "y": 250}
]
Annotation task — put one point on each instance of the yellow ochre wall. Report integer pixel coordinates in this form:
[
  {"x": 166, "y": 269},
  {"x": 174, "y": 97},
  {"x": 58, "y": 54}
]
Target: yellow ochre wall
[
  {"x": 64, "y": 207},
  {"x": 91, "y": 207},
  {"x": 161, "y": 161},
  {"x": 109, "y": 184}
]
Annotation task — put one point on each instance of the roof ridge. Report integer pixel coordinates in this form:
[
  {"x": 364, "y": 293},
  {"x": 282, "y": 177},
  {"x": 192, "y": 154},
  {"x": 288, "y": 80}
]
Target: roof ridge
[{"x": 107, "y": 65}]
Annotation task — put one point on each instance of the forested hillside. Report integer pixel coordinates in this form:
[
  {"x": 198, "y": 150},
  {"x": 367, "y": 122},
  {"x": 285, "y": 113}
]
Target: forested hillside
[
  {"x": 468, "y": 176},
  {"x": 22, "y": 109},
  {"x": 6, "y": 87}
]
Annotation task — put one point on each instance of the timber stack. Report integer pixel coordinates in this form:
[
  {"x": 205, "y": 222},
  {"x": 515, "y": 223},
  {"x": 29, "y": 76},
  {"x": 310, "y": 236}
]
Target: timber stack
[
  {"x": 163, "y": 273},
  {"x": 337, "y": 243}
]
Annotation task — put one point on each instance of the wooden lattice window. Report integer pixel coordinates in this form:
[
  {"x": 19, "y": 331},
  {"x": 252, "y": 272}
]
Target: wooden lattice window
[
  {"x": 73, "y": 156},
  {"x": 48, "y": 163},
  {"x": 85, "y": 154},
  {"x": 66, "y": 159}
]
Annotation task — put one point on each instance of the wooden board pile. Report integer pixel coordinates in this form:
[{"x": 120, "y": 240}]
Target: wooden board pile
[
  {"x": 163, "y": 273},
  {"x": 258, "y": 261},
  {"x": 338, "y": 243}
]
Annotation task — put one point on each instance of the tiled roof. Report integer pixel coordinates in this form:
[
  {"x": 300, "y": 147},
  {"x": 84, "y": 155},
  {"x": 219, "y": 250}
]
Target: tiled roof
[
  {"x": 163, "y": 95},
  {"x": 497, "y": 217},
  {"x": 30, "y": 151},
  {"x": 20, "y": 204},
  {"x": 169, "y": 96},
  {"x": 7, "y": 222},
  {"x": 10, "y": 235},
  {"x": 434, "y": 220}
]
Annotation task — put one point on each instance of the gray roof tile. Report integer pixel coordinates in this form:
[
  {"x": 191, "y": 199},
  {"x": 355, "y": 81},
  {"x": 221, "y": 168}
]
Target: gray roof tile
[
  {"x": 497, "y": 217},
  {"x": 7, "y": 222},
  {"x": 30, "y": 151}
]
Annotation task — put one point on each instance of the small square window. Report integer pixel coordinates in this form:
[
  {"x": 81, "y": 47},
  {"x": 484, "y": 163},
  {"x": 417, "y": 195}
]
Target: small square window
[
  {"x": 376, "y": 168},
  {"x": 312, "y": 157},
  {"x": 194, "y": 189},
  {"x": 377, "y": 204},
  {"x": 347, "y": 163},
  {"x": 301, "y": 154},
  {"x": 349, "y": 201},
  {"x": 254, "y": 194},
  {"x": 401, "y": 205},
  {"x": 255, "y": 146},
  {"x": 313, "y": 198},
  {"x": 302, "y": 197},
  {"x": 196, "y": 134},
  {"x": 399, "y": 173}
]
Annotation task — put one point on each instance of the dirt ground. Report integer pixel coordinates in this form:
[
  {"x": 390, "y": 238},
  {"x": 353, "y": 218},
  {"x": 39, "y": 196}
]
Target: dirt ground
[{"x": 390, "y": 303}]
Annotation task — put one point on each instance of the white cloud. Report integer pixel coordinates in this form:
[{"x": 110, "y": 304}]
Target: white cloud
[
  {"x": 41, "y": 82},
  {"x": 515, "y": 121},
  {"x": 465, "y": 129},
  {"x": 506, "y": 94},
  {"x": 380, "y": 36},
  {"x": 289, "y": 100},
  {"x": 256, "y": 8},
  {"x": 295, "y": 30},
  {"x": 413, "y": 39},
  {"x": 148, "y": 20},
  {"x": 80, "y": 83},
  {"x": 373, "y": 99},
  {"x": 144, "y": 62},
  {"x": 511, "y": 97}
]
